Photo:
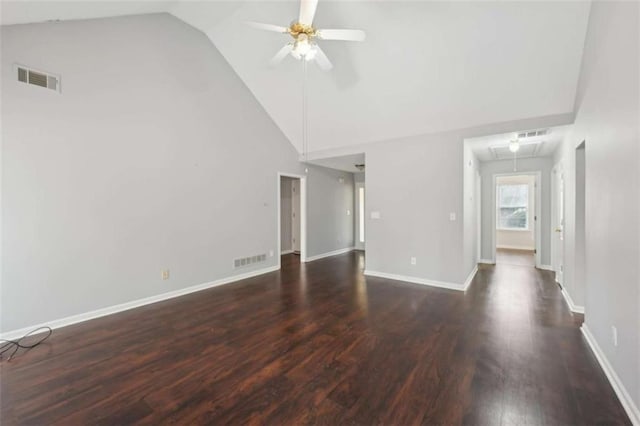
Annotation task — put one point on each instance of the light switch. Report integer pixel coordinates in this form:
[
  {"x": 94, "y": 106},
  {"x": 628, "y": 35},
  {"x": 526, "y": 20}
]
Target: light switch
[
  {"x": 375, "y": 215},
  {"x": 452, "y": 217},
  {"x": 348, "y": 212}
]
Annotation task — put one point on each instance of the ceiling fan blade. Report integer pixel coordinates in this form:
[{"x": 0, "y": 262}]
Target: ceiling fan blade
[
  {"x": 282, "y": 53},
  {"x": 323, "y": 62},
  {"x": 268, "y": 27},
  {"x": 346, "y": 35},
  {"x": 307, "y": 11}
]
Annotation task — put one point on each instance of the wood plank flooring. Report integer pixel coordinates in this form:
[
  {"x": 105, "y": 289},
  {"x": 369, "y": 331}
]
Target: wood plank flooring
[
  {"x": 321, "y": 344},
  {"x": 515, "y": 257}
]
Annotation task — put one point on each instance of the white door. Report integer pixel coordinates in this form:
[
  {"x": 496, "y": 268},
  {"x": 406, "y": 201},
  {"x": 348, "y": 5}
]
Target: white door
[
  {"x": 478, "y": 217},
  {"x": 360, "y": 212},
  {"x": 558, "y": 225},
  {"x": 295, "y": 215}
]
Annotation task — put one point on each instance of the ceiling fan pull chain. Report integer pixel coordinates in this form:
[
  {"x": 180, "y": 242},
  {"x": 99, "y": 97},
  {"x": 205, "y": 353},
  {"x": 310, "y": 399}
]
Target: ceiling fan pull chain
[{"x": 305, "y": 124}]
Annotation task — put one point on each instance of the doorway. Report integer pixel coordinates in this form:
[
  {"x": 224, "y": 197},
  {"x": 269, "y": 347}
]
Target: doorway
[
  {"x": 580, "y": 211},
  {"x": 360, "y": 216},
  {"x": 292, "y": 217},
  {"x": 558, "y": 222},
  {"x": 516, "y": 227}
]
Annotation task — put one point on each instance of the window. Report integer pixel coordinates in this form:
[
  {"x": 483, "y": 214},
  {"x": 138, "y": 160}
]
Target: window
[{"x": 513, "y": 207}]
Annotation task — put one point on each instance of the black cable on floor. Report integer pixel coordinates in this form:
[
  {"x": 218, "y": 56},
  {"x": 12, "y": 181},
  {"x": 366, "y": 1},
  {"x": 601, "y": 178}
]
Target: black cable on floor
[{"x": 7, "y": 345}]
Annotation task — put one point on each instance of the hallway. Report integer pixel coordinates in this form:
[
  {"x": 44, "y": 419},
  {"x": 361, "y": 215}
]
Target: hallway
[
  {"x": 320, "y": 343},
  {"x": 515, "y": 257}
]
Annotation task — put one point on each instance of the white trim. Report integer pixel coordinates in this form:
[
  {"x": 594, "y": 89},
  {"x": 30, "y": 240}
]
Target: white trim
[
  {"x": 487, "y": 261},
  {"x": 469, "y": 279},
  {"x": 624, "y": 397},
  {"x": 537, "y": 207},
  {"x": 303, "y": 215},
  {"x": 546, "y": 268},
  {"x": 282, "y": 253},
  {"x": 572, "y": 306},
  {"x": 74, "y": 319},
  {"x": 416, "y": 280},
  {"x": 515, "y": 247},
  {"x": 330, "y": 253}
]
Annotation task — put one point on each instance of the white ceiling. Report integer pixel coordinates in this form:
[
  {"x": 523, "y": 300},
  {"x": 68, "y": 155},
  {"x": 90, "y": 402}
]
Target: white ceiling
[
  {"x": 425, "y": 66},
  {"x": 496, "y": 147},
  {"x": 345, "y": 163},
  {"x": 24, "y": 11}
]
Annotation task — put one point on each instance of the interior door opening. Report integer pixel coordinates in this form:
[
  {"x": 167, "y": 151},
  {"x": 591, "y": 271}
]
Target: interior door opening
[
  {"x": 558, "y": 223},
  {"x": 360, "y": 216},
  {"x": 291, "y": 218},
  {"x": 516, "y": 219}
]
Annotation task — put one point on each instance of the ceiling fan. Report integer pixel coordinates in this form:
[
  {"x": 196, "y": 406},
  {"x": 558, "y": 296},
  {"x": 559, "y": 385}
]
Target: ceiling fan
[{"x": 304, "y": 45}]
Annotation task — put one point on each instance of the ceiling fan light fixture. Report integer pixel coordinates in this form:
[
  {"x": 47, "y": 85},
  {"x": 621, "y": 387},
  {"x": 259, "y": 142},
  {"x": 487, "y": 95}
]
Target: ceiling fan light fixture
[
  {"x": 302, "y": 47},
  {"x": 514, "y": 146}
]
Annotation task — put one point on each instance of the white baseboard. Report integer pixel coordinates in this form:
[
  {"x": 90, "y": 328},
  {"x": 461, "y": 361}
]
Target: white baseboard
[
  {"x": 469, "y": 279},
  {"x": 328, "y": 254},
  {"x": 572, "y": 306},
  {"x": 283, "y": 252},
  {"x": 546, "y": 267},
  {"x": 487, "y": 261},
  {"x": 516, "y": 248},
  {"x": 624, "y": 397},
  {"x": 74, "y": 319},
  {"x": 415, "y": 280}
]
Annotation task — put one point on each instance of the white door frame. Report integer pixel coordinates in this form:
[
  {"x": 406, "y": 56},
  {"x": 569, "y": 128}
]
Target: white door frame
[
  {"x": 303, "y": 215},
  {"x": 478, "y": 195},
  {"x": 557, "y": 247},
  {"x": 358, "y": 245},
  {"x": 538, "y": 212}
]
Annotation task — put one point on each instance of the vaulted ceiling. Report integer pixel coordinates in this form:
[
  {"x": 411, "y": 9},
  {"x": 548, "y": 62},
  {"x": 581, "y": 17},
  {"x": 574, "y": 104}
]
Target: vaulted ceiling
[{"x": 425, "y": 67}]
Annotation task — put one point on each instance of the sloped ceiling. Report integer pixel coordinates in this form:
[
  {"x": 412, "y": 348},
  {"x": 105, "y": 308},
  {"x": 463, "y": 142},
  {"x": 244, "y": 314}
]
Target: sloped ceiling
[{"x": 425, "y": 67}]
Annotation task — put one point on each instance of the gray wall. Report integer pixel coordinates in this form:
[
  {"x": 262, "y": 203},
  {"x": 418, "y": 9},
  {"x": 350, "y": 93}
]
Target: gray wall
[
  {"x": 607, "y": 111},
  {"x": 415, "y": 183},
  {"x": 154, "y": 156},
  {"x": 329, "y": 227},
  {"x": 490, "y": 168},
  {"x": 470, "y": 218},
  {"x": 285, "y": 214}
]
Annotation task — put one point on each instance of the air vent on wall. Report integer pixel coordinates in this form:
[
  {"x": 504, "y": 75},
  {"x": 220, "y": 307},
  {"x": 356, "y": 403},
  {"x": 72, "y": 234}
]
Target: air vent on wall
[
  {"x": 37, "y": 78},
  {"x": 246, "y": 261}
]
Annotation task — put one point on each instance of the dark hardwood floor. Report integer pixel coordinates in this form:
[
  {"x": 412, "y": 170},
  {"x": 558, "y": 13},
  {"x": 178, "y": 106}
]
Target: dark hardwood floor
[
  {"x": 321, "y": 344},
  {"x": 515, "y": 257}
]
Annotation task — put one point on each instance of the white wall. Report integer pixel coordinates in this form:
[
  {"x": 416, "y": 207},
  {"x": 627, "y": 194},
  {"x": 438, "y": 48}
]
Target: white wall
[
  {"x": 519, "y": 239},
  {"x": 490, "y": 168},
  {"x": 607, "y": 111},
  {"x": 155, "y": 155},
  {"x": 285, "y": 214}
]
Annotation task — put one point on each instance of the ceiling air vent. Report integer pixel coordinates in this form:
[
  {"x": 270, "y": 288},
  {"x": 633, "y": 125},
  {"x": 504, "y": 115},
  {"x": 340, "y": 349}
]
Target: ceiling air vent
[
  {"x": 532, "y": 134},
  {"x": 38, "y": 78}
]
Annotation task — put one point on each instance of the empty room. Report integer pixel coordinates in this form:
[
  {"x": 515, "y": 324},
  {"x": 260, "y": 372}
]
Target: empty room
[{"x": 319, "y": 212}]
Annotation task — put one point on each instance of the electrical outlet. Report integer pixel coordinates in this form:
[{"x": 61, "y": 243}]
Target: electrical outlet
[
  {"x": 614, "y": 335},
  {"x": 270, "y": 253},
  {"x": 413, "y": 260},
  {"x": 165, "y": 274},
  {"x": 452, "y": 217}
]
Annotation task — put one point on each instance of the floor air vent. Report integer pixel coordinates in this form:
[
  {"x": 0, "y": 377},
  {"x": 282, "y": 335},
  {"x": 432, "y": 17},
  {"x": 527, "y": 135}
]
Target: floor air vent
[
  {"x": 246, "y": 261},
  {"x": 38, "y": 78}
]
